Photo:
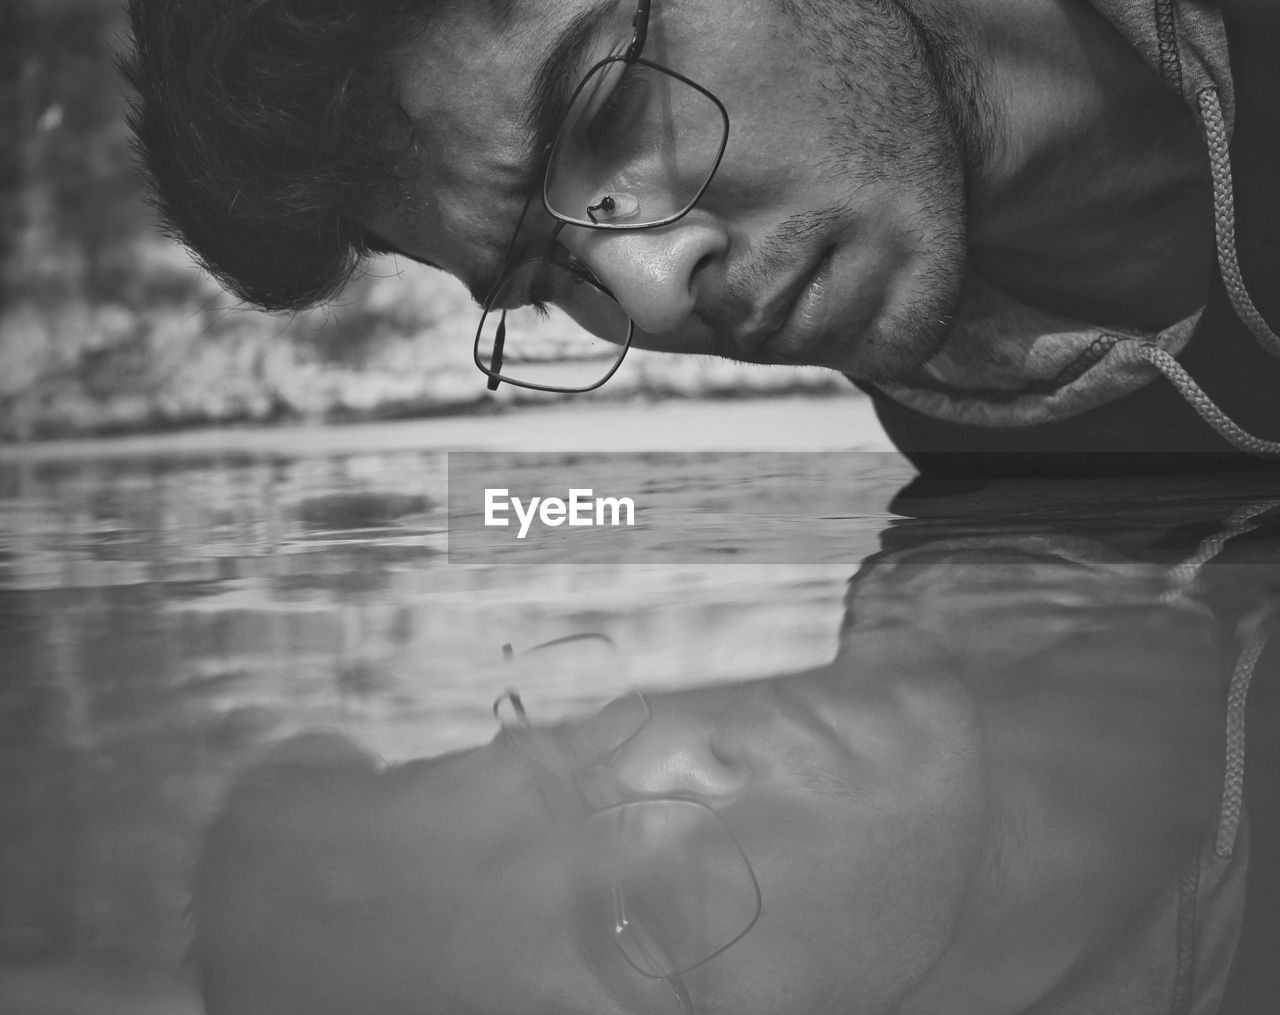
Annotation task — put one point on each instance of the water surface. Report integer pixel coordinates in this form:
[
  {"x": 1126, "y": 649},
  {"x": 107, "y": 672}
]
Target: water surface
[{"x": 165, "y": 616}]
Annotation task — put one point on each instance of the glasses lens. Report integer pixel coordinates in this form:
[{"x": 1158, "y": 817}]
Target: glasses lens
[
  {"x": 683, "y": 891},
  {"x": 548, "y": 327},
  {"x": 636, "y": 148}
]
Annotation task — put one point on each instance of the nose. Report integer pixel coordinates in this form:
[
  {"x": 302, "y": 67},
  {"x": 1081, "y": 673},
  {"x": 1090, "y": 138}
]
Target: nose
[
  {"x": 653, "y": 273},
  {"x": 673, "y": 755}
]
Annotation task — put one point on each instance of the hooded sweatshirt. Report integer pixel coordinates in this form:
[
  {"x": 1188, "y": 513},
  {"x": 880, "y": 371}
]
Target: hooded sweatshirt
[{"x": 1014, "y": 385}]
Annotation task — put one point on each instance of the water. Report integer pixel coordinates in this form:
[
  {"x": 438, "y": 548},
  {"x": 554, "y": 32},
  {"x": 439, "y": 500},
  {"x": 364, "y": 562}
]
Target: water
[{"x": 165, "y": 616}]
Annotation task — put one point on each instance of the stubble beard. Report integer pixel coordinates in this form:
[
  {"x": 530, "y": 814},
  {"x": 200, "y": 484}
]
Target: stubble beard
[{"x": 907, "y": 116}]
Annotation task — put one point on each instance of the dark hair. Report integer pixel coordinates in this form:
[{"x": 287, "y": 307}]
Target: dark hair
[
  {"x": 328, "y": 881},
  {"x": 262, "y": 126},
  {"x": 262, "y": 895}
]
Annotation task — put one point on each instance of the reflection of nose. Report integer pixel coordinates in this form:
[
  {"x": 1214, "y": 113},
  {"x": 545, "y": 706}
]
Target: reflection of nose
[
  {"x": 673, "y": 755},
  {"x": 653, "y": 273}
]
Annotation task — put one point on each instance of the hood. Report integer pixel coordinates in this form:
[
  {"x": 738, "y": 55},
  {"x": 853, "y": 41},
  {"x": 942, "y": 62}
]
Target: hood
[{"x": 1007, "y": 364}]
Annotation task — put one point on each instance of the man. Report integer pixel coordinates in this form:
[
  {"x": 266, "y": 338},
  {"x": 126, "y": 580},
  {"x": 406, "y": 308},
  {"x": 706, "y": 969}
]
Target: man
[
  {"x": 1004, "y": 219},
  {"x": 1010, "y": 792}
]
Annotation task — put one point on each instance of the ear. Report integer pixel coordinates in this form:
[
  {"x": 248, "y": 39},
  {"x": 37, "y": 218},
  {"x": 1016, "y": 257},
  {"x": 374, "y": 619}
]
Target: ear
[{"x": 675, "y": 754}]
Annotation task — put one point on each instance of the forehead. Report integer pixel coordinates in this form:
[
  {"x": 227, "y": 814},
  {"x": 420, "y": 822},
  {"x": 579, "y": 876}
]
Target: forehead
[{"x": 468, "y": 83}]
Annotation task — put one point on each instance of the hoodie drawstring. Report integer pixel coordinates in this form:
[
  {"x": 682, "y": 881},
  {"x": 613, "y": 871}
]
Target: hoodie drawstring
[
  {"x": 1252, "y": 635},
  {"x": 1224, "y": 223},
  {"x": 1227, "y": 428}
]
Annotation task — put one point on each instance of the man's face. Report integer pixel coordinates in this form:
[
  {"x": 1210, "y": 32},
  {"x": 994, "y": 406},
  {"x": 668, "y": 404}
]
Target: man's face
[
  {"x": 857, "y": 802},
  {"x": 832, "y": 233}
]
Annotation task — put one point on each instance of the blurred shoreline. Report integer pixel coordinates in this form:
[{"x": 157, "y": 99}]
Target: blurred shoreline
[
  {"x": 794, "y": 423},
  {"x": 173, "y": 352}
]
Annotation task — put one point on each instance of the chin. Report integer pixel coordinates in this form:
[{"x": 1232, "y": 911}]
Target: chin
[
  {"x": 910, "y": 329},
  {"x": 887, "y": 356}
]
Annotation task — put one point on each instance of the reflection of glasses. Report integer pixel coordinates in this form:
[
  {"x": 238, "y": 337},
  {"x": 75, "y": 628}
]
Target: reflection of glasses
[
  {"x": 680, "y": 889},
  {"x": 636, "y": 150}
]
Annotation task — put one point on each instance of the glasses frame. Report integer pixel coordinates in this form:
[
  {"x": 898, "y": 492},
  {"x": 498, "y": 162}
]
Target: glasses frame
[
  {"x": 554, "y": 794},
  {"x": 494, "y": 373},
  {"x": 640, "y": 34}
]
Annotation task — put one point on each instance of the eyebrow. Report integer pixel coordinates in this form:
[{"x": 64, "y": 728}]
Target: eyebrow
[{"x": 557, "y": 75}]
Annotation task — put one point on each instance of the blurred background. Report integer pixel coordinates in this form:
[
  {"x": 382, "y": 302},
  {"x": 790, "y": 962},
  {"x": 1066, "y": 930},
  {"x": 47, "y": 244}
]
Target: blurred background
[
  {"x": 170, "y": 603},
  {"x": 107, "y": 327}
]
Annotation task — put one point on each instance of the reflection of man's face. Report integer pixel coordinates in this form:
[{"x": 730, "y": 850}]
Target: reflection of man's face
[
  {"x": 855, "y": 801},
  {"x": 910, "y": 813},
  {"x": 832, "y": 233}
]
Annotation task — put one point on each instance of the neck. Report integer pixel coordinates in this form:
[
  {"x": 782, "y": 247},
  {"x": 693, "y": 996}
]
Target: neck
[
  {"x": 1093, "y": 198},
  {"x": 1081, "y": 842}
]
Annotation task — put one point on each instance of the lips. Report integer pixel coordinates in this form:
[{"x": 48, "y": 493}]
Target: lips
[{"x": 793, "y": 322}]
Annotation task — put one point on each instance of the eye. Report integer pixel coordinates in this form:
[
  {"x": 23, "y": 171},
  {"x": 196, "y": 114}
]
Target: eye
[
  {"x": 581, "y": 273},
  {"x": 542, "y": 291},
  {"x": 546, "y": 284},
  {"x": 531, "y": 286},
  {"x": 609, "y": 121}
]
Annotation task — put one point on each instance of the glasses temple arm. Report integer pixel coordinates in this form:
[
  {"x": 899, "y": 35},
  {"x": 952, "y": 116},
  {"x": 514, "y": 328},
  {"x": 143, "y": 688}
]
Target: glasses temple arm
[
  {"x": 513, "y": 696},
  {"x": 682, "y": 994},
  {"x": 641, "y": 25},
  {"x": 499, "y": 340}
]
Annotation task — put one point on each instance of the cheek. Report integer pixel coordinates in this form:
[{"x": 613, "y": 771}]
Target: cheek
[
  {"x": 809, "y": 870},
  {"x": 779, "y": 156},
  {"x": 855, "y": 910},
  {"x": 785, "y": 135}
]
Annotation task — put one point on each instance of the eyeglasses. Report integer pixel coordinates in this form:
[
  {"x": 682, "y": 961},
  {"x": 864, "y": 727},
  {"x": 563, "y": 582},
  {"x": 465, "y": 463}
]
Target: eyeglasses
[
  {"x": 636, "y": 150},
  {"x": 680, "y": 889}
]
